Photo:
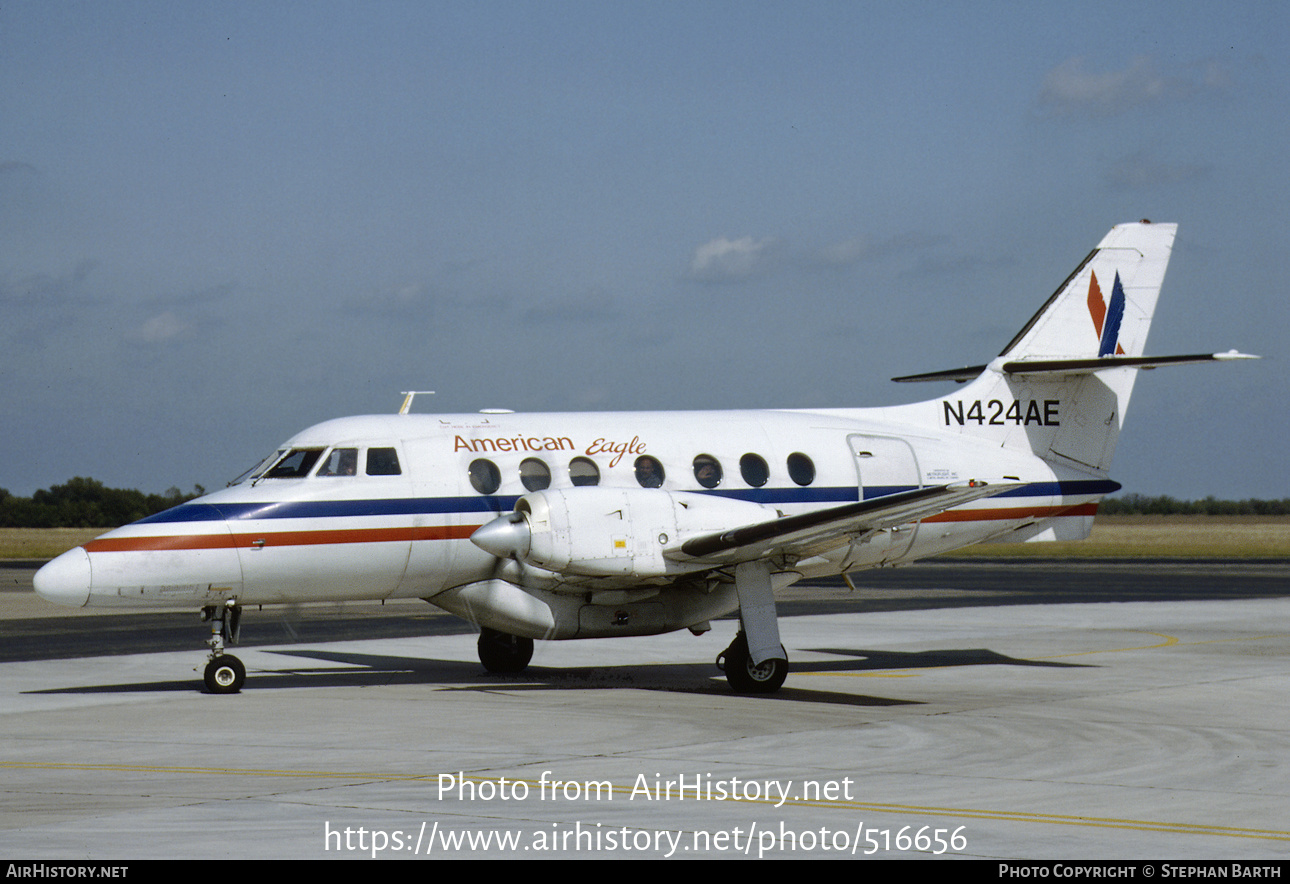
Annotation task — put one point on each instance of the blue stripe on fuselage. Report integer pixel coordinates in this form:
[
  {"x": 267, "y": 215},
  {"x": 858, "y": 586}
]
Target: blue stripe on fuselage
[
  {"x": 414, "y": 506},
  {"x": 330, "y": 509}
]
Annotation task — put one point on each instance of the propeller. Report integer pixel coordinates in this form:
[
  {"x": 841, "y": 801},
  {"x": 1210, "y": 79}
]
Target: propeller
[{"x": 505, "y": 537}]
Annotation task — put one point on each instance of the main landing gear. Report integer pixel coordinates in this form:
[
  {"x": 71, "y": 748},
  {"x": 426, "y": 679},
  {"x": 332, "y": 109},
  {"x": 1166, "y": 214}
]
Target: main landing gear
[
  {"x": 224, "y": 673},
  {"x": 744, "y": 676},
  {"x": 504, "y": 653},
  {"x": 758, "y": 637}
]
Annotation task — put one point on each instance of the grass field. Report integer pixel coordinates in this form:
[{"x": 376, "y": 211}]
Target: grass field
[
  {"x": 1178, "y": 536},
  {"x": 42, "y": 543},
  {"x": 1113, "y": 536}
]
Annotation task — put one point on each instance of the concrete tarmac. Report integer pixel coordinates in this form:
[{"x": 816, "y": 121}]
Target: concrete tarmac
[{"x": 976, "y": 727}]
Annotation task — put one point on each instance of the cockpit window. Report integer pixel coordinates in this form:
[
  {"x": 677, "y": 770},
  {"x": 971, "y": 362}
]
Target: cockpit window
[
  {"x": 383, "y": 462},
  {"x": 255, "y": 471},
  {"x": 296, "y": 465},
  {"x": 341, "y": 462}
]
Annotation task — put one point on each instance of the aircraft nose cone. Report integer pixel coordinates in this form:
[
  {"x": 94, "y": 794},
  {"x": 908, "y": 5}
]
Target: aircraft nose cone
[
  {"x": 503, "y": 537},
  {"x": 65, "y": 580}
]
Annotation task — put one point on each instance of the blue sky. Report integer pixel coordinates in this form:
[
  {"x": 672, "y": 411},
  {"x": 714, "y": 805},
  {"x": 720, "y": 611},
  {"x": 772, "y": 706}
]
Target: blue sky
[{"x": 223, "y": 222}]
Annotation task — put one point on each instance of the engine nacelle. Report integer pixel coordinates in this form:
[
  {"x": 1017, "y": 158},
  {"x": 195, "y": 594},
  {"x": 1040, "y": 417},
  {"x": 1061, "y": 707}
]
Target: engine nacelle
[{"x": 622, "y": 532}]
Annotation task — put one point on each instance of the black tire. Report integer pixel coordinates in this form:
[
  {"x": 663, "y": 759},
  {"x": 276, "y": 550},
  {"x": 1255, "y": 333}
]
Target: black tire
[
  {"x": 504, "y": 653},
  {"x": 745, "y": 678},
  {"x": 225, "y": 675}
]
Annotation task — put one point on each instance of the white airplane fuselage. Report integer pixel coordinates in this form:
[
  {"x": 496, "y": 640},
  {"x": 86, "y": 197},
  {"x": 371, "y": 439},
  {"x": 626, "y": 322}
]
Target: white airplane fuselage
[{"x": 349, "y": 537}]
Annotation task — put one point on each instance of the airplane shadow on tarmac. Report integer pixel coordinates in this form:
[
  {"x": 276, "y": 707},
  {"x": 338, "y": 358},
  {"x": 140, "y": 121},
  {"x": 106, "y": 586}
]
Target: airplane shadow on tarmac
[{"x": 693, "y": 678}]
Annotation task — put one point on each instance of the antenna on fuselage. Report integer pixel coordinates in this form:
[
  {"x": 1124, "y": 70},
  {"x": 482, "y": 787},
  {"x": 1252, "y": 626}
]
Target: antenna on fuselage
[{"x": 409, "y": 395}]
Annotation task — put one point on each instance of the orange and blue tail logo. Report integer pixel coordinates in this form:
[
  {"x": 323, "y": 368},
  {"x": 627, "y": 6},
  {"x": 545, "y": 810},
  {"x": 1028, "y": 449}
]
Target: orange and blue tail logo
[{"x": 1107, "y": 318}]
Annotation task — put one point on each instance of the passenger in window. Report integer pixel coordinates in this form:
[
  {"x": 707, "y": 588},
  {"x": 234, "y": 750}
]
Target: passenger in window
[
  {"x": 707, "y": 470},
  {"x": 649, "y": 472}
]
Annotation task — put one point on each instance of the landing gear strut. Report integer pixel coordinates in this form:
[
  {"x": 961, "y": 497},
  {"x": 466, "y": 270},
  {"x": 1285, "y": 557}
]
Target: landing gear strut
[
  {"x": 755, "y": 662},
  {"x": 224, "y": 673},
  {"x": 500, "y": 652},
  {"x": 744, "y": 676}
]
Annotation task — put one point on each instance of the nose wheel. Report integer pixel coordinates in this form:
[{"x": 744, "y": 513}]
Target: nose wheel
[{"x": 224, "y": 673}]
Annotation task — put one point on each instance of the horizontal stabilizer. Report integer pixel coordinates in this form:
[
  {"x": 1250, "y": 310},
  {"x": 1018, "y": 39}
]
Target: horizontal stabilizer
[
  {"x": 954, "y": 374},
  {"x": 1030, "y": 367},
  {"x": 790, "y": 534},
  {"x": 1088, "y": 366}
]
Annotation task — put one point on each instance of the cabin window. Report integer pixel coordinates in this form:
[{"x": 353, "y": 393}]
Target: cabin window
[
  {"x": 649, "y": 472},
  {"x": 754, "y": 470},
  {"x": 341, "y": 462},
  {"x": 707, "y": 469},
  {"x": 383, "y": 462},
  {"x": 535, "y": 475},
  {"x": 296, "y": 465},
  {"x": 485, "y": 477},
  {"x": 583, "y": 471},
  {"x": 800, "y": 468}
]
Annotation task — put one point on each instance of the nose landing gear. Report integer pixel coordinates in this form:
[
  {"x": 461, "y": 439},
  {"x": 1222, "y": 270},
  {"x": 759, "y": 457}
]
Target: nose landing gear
[{"x": 224, "y": 673}]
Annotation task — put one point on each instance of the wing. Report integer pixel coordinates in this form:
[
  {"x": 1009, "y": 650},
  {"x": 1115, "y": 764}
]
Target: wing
[{"x": 820, "y": 530}]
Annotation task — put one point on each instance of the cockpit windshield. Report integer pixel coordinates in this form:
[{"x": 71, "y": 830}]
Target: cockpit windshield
[
  {"x": 299, "y": 463},
  {"x": 295, "y": 465},
  {"x": 255, "y": 471}
]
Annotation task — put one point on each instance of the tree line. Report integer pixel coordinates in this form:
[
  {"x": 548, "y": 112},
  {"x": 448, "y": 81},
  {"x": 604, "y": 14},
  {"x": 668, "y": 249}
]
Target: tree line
[
  {"x": 85, "y": 503},
  {"x": 1164, "y": 505}
]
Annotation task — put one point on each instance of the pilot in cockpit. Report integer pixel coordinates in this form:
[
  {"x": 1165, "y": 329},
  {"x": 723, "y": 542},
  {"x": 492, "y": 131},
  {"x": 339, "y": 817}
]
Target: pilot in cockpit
[{"x": 341, "y": 462}]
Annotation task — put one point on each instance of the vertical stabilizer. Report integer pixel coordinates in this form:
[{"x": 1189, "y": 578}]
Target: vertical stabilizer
[
  {"x": 1105, "y": 307},
  {"x": 1070, "y": 408}
]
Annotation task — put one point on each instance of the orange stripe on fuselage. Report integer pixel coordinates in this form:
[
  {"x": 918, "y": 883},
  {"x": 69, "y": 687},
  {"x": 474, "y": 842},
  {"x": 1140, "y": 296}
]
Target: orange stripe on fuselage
[
  {"x": 169, "y": 542},
  {"x": 279, "y": 538}
]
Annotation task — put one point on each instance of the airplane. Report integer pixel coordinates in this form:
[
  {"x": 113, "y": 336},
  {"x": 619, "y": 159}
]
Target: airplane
[{"x": 564, "y": 526}]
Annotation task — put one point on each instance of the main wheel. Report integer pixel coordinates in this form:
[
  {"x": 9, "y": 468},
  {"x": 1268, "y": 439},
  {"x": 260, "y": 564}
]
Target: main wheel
[
  {"x": 502, "y": 652},
  {"x": 225, "y": 675},
  {"x": 746, "y": 678}
]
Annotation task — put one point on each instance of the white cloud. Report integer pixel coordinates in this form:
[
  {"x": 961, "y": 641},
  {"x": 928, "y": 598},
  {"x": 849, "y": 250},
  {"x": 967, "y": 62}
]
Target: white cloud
[
  {"x": 162, "y": 327},
  {"x": 1071, "y": 88},
  {"x": 725, "y": 259}
]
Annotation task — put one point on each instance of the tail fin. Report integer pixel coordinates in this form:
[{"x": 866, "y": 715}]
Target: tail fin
[
  {"x": 1062, "y": 385},
  {"x": 1105, "y": 307}
]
